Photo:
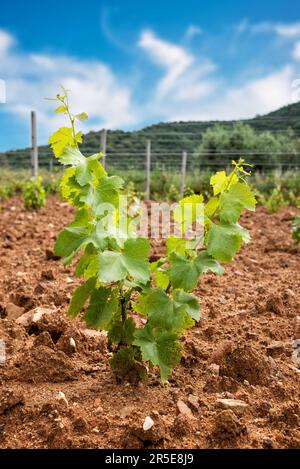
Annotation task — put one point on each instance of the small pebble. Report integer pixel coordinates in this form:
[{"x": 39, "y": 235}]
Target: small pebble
[{"x": 148, "y": 423}]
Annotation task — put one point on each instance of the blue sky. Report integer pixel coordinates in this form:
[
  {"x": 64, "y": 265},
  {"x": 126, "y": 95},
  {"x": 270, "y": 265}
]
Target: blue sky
[{"x": 132, "y": 63}]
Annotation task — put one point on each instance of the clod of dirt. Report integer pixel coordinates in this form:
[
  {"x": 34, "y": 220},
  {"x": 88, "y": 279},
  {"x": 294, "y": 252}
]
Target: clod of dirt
[
  {"x": 47, "y": 275},
  {"x": 264, "y": 408},
  {"x": 23, "y": 300},
  {"x": 193, "y": 402},
  {"x": 42, "y": 364},
  {"x": 289, "y": 416},
  {"x": 297, "y": 328},
  {"x": 44, "y": 339},
  {"x": 182, "y": 426},
  {"x": 218, "y": 354},
  {"x": 80, "y": 425},
  {"x": 13, "y": 311},
  {"x": 10, "y": 399},
  {"x": 275, "y": 349},
  {"x": 135, "y": 434},
  {"x": 274, "y": 304},
  {"x": 49, "y": 253},
  {"x": 228, "y": 427},
  {"x": 236, "y": 405},
  {"x": 244, "y": 363}
]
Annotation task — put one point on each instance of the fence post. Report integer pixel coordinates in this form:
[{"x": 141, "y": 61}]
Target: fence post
[
  {"x": 34, "y": 148},
  {"x": 183, "y": 173},
  {"x": 147, "y": 169},
  {"x": 51, "y": 165},
  {"x": 103, "y": 138}
]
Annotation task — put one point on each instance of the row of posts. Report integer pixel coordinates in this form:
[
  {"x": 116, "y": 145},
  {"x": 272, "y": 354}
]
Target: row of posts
[{"x": 103, "y": 139}]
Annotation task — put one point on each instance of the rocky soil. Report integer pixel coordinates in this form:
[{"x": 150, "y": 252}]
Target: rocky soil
[{"x": 238, "y": 382}]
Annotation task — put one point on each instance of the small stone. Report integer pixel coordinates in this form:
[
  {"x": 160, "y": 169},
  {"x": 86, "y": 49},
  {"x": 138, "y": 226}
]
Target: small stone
[
  {"x": 183, "y": 409},
  {"x": 33, "y": 316},
  {"x": 61, "y": 397},
  {"x": 13, "y": 311},
  {"x": 214, "y": 369},
  {"x": 296, "y": 343},
  {"x": 268, "y": 443},
  {"x": 95, "y": 430},
  {"x": 236, "y": 405},
  {"x": 194, "y": 402},
  {"x": 289, "y": 293},
  {"x": 148, "y": 423},
  {"x": 72, "y": 343},
  {"x": 246, "y": 383},
  {"x": 296, "y": 357},
  {"x": 275, "y": 349}
]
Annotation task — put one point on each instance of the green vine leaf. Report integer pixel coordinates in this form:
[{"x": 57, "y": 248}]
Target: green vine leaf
[{"x": 161, "y": 348}]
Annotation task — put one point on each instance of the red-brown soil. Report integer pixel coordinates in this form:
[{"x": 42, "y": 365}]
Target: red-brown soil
[{"x": 241, "y": 349}]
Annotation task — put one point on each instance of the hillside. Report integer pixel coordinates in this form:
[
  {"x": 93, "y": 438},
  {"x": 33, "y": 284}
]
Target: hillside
[{"x": 168, "y": 139}]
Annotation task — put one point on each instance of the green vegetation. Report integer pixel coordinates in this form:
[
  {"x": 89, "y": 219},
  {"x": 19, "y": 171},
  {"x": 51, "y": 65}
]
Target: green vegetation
[
  {"x": 276, "y": 132},
  {"x": 263, "y": 149},
  {"x": 34, "y": 194},
  {"x": 119, "y": 280},
  {"x": 273, "y": 202}
]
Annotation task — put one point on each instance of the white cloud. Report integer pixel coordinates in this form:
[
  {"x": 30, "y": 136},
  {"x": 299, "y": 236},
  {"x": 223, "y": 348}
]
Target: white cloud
[
  {"x": 173, "y": 58},
  {"x": 190, "y": 87},
  {"x": 6, "y": 41},
  {"x": 287, "y": 30},
  {"x": 190, "y": 90},
  {"x": 185, "y": 78},
  {"x": 296, "y": 51},
  {"x": 193, "y": 31},
  {"x": 257, "y": 96},
  {"x": 94, "y": 88}
]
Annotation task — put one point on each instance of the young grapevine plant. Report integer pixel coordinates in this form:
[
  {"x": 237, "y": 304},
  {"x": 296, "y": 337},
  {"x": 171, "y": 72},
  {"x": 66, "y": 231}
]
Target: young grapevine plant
[{"x": 119, "y": 281}]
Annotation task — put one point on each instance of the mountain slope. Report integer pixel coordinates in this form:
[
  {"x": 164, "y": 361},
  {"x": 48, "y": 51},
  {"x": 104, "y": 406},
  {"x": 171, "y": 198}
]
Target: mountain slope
[{"x": 169, "y": 138}]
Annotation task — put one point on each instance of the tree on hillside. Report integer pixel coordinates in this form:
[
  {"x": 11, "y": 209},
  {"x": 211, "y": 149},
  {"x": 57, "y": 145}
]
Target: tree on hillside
[{"x": 264, "y": 149}]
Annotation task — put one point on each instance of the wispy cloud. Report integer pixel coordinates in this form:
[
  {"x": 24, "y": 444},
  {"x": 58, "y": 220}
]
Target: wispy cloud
[
  {"x": 287, "y": 30},
  {"x": 6, "y": 42},
  {"x": 95, "y": 88},
  {"x": 108, "y": 33},
  {"x": 193, "y": 31},
  {"x": 185, "y": 78},
  {"x": 296, "y": 51},
  {"x": 192, "y": 89}
]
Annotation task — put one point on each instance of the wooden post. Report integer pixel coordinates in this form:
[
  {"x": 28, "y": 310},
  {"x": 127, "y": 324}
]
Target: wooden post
[
  {"x": 183, "y": 173},
  {"x": 147, "y": 169},
  {"x": 34, "y": 148},
  {"x": 51, "y": 165},
  {"x": 103, "y": 138}
]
